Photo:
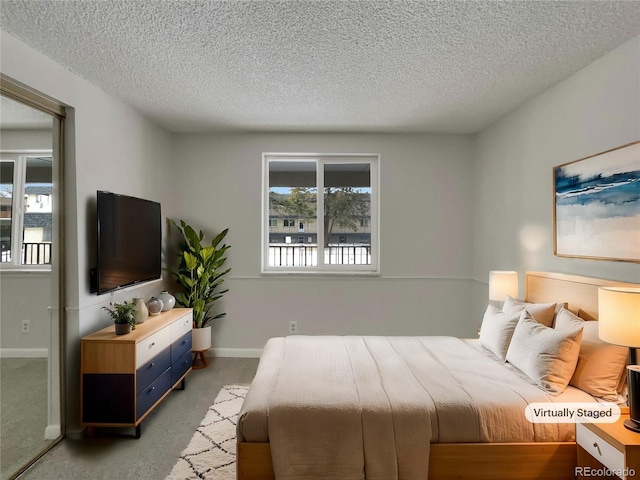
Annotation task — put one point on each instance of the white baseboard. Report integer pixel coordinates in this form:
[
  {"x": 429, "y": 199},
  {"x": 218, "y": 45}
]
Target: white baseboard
[
  {"x": 52, "y": 432},
  {"x": 235, "y": 352},
  {"x": 24, "y": 352}
]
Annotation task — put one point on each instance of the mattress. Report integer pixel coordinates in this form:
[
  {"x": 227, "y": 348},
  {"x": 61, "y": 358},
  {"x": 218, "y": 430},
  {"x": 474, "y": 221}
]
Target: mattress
[{"x": 359, "y": 404}]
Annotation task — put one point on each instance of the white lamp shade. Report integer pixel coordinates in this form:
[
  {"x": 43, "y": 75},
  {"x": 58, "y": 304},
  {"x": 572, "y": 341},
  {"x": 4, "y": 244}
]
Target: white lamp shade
[
  {"x": 619, "y": 315},
  {"x": 501, "y": 284}
]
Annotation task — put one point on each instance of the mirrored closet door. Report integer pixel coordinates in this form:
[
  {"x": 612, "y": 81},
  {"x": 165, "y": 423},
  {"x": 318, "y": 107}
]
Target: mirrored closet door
[{"x": 30, "y": 283}]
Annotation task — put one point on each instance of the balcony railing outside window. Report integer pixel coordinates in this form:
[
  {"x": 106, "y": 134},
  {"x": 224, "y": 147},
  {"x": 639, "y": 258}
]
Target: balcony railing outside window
[
  {"x": 36, "y": 254},
  {"x": 32, "y": 254},
  {"x": 305, "y": 255}
]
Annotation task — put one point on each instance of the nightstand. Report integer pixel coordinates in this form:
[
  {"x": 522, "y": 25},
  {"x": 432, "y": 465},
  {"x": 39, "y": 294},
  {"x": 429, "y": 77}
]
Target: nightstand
[{"x": 608, "y": 446}]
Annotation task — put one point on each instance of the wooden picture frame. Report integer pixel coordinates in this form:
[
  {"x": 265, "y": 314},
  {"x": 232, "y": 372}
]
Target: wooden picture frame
[{"x": 596, "y": 208}]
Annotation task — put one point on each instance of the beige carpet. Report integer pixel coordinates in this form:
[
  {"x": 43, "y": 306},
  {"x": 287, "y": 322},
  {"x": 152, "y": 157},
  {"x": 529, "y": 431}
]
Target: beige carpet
[
  {"x": 211, "y": 453},
  {"x": 23, "y": 412}
]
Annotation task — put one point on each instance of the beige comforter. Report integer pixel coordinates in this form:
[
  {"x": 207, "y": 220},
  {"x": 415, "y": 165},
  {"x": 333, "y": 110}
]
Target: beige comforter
[{"x": 369, "y": 407}]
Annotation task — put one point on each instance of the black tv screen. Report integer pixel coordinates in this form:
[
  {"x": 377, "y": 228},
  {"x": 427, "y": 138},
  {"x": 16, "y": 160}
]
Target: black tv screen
[{"x": 129, "y": 241}]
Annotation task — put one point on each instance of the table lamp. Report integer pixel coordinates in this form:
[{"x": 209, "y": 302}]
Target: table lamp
[
  {"x": 619, "y": 323},
  {"x": 501, "y": 284}
]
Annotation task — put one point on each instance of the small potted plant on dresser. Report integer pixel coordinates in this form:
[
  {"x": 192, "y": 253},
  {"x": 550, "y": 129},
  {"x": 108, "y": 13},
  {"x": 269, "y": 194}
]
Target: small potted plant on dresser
[
  {"x": 123, "y": 316},
  {"x": 200, "y": 274}
]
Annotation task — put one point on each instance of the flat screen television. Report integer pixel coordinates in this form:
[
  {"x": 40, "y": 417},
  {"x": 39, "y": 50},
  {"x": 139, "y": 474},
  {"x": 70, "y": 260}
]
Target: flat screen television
[{"x": 129, "y": 242}]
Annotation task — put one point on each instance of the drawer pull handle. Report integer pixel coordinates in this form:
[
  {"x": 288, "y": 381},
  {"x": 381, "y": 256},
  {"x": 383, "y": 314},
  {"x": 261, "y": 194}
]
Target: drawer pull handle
[
  {"x": 595, "y": 445},
  {"x": 152, "y": 344},
  {"x": 153, "y": 364}
]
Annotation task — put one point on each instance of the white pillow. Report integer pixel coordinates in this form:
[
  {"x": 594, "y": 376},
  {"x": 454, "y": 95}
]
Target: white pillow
[
  {"x": 543, "y": 313},
  {"x": 496, "y": 330},
  {"x": 546, "y": 356},
  {"x": 600, "y": 365}
]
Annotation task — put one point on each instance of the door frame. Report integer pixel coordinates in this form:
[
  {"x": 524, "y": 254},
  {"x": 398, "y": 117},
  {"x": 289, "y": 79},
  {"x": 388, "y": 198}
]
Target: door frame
[{"x": 32, "y": 98}]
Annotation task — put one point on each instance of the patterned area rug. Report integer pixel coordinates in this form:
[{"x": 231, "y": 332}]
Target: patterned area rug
[{"x": 211, "y": 453}]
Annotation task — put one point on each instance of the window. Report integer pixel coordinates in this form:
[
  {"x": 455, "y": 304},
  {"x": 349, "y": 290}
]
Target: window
[
  {"x": 273, "y": 222},
  {"x": 26, "y": 210},
  {"x": 334, "y": 201}
]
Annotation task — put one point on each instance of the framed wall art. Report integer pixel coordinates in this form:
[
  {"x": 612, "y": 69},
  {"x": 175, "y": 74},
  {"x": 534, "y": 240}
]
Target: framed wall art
[{"x": 597, "y": 206}]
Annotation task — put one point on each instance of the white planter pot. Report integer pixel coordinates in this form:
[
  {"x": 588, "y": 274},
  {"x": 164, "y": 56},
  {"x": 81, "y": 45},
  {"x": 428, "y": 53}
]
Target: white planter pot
[{"x": 201, "y": 339}]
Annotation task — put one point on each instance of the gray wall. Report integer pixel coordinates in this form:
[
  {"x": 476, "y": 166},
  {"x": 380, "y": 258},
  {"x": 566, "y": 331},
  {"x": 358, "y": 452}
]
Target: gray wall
[
  {"x": 425, "y": 191},
  {"x": 25, "y": 296},
  {"x": 26, "y": 139},
  {"x": 594, "y": 110}
]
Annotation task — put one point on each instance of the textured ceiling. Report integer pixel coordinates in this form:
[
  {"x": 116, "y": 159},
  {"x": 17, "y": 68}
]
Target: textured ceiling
[{"x": 384, "y": 66}]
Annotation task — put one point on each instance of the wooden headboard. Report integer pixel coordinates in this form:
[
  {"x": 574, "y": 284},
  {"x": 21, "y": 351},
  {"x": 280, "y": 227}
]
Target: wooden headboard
[{"x": 580, "y": 293}]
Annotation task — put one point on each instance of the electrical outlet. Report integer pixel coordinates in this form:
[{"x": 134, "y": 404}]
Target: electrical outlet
[
  {"x": 293, "y": 326},
  {"x": 25, "y": 326}
]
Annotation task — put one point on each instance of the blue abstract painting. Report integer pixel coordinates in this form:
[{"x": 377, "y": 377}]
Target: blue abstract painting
[{"x": 597, "y": 206}]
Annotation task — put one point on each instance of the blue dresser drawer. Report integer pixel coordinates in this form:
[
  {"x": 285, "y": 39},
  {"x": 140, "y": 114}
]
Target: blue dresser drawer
[
  {"x": 180, "y": 367},
  {"x": 152, "y": 393},
  {"x": 180, "y": 347},
  {"x": 151, "y": 370}
]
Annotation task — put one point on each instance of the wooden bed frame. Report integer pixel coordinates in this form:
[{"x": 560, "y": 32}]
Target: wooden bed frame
[{"x": 486, "y": 461}]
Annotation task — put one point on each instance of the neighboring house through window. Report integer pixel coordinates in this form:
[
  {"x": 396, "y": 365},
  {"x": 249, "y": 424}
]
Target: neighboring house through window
[{"x": 340, "y": 225}]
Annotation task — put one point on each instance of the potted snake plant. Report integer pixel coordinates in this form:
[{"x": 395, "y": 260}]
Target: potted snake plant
[{"x": 200, "y": 273}]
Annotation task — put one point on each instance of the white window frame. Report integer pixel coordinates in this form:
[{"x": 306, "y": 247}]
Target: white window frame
[
  {"x": 19, "y": 159},
  {"x": 373, "y": 159}
]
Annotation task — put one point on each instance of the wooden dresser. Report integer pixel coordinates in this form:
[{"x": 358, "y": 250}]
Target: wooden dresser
[{"x": 123, "y": 377}]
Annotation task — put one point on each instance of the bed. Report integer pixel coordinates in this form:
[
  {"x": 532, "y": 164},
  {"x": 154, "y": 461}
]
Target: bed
[{"x": 393, "y": 407}]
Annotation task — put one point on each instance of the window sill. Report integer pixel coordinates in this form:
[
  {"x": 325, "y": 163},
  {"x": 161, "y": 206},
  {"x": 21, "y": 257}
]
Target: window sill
[
  {"x": 27, "y": 270},
  {"x": 319, "y": 273}
]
